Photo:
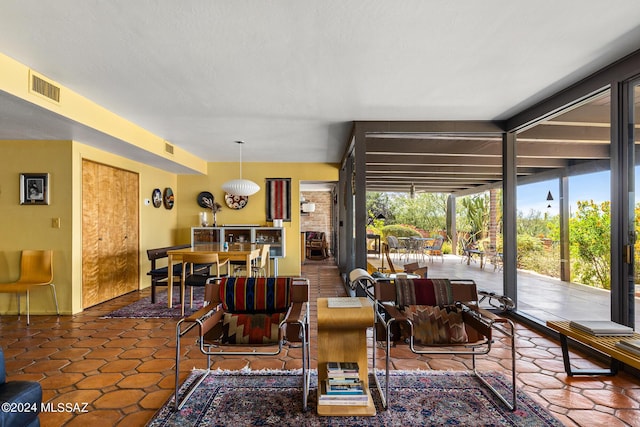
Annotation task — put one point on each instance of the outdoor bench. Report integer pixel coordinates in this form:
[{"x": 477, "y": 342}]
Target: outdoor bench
[{"x": 603, "y": 344}]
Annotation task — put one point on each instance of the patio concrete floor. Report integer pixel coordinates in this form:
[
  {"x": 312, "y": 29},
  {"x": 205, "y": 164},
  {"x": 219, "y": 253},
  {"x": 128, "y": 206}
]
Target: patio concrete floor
[{"x": 542, "y": 297}]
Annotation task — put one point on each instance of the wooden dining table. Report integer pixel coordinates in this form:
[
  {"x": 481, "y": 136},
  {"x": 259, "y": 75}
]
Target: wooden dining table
[{"x": 246, "y": 252}]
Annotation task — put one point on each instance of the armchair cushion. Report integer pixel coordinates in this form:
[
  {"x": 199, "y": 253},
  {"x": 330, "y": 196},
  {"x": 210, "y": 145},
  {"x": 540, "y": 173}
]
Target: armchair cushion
[
  {"x": 255, "y": 294},
  {"x": 243, "y": 328},
  {"x": 435, "y": 325},
  {"x": 423, "y": 292}
]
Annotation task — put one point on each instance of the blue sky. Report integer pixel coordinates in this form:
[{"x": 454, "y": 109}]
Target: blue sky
[{"x": 595, "y": 186}]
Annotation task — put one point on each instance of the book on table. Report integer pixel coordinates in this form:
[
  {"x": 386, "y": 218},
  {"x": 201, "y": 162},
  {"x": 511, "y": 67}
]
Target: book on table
[
  {"x": 343, "y": 386},
  {"x": 632, "y": 346},
  {"x": 355, "y": 398},
  {"x": 343, "y": 380},
  {"x": 343, "y": 302},
  {"x": 601, "y": 328},
  {"x": 343, "y": 389},
  {"x": 342, "y": 368}
]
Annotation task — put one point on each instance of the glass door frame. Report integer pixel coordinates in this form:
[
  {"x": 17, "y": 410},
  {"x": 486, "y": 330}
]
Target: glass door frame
[{"x": 623, "y": 160}]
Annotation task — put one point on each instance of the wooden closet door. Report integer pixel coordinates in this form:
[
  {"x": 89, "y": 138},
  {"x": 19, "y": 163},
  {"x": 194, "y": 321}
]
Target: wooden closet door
[
  {"x": 132, "y": 220},
  {"x": 90, "y": 234},
  {"x": 110, "y": 232}
]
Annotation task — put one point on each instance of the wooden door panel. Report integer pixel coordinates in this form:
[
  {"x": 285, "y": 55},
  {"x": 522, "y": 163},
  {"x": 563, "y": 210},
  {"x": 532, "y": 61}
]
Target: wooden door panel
[
  {"x": 90, "y": 235},
  {"x": 112, "y": 228},
  {"x": 132, "y": 221},
  {"x": 110, "y": 200}
]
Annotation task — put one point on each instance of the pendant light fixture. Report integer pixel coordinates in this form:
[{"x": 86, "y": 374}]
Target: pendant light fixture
[{"x": 241, "y": 187}]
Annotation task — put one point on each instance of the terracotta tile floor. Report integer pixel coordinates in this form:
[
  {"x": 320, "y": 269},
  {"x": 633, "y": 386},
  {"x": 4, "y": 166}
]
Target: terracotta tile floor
[{"x": 123, "y": 368}]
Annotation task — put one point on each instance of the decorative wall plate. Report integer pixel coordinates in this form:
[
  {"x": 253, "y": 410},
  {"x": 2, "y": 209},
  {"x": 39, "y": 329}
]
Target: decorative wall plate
[
  {"x": 168, "y": 198},
  {"x": 156, "y": 196},
  {"x": 205, "y": 195},
  {"x": 235, "y": 202}
]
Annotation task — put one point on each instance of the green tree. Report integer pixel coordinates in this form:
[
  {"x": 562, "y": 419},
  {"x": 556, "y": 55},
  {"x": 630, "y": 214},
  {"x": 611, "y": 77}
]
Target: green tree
[
  {"x": 473, "y": 215},
  {"x": 380, "y": 204},
  {"x": 535, "y": 223},
  {"x": 426, "y": 211},
  {"x": 589, "y": 237}
]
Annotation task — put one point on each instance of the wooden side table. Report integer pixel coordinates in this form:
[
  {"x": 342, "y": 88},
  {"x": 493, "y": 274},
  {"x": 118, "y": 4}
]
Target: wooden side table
[{"x": 342, "y": 337}]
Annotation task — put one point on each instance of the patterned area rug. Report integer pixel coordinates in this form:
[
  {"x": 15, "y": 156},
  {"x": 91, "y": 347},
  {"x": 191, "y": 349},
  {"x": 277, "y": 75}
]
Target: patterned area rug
[
  {"x": 418, "y": 398},
  {"x": 143, "y": 308}
]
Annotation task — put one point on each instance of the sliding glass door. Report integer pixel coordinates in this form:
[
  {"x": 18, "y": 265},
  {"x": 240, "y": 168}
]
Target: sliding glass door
[
  {"x": 632, "y": 295},
  {"x": 564, "y": 215}
]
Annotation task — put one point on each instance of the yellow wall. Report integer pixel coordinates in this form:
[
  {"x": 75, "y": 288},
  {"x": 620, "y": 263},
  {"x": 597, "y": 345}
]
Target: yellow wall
[
  {"x": 29, "y": 227},
  {"x": 26, "y": 227},
  {"x": 255, "y": 211}
]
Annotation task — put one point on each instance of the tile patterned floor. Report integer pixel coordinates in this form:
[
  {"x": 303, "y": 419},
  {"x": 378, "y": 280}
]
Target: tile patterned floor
[{"x": 123, "y": 368}]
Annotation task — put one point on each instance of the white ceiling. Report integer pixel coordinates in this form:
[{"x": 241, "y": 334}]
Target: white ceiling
[{"x": 289, "y": 77}]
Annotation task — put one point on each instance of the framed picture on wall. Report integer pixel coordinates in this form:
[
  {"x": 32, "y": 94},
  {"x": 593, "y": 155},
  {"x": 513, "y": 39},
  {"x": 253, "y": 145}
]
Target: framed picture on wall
[{"x": 34, "y": 188}]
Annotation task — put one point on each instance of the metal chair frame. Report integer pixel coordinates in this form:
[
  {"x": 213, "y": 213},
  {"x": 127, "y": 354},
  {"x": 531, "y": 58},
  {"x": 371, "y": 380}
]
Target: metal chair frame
[
  {"x": 472, "y": 314},
  {"x": 209, "y": 316}
]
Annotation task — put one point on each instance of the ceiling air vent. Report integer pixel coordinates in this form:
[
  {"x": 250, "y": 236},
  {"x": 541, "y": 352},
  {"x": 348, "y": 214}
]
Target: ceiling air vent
[
  {"x": 168, "y": 148},
  {"x": 42, "y": 87}
]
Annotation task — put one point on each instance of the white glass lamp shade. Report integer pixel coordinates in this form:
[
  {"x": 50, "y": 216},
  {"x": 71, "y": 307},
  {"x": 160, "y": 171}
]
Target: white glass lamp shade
[{"x": 241, "y": 187}]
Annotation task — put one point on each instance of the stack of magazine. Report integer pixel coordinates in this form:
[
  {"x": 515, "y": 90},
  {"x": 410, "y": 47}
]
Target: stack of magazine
[
  {"x": 342, "y": 386},
  {"x": 602, "y": 328},
  {"x": 632, "y": 346}
]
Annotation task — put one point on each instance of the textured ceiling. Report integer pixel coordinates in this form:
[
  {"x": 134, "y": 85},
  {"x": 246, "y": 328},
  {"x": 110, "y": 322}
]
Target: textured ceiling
[{"x": 289, "y": 77}]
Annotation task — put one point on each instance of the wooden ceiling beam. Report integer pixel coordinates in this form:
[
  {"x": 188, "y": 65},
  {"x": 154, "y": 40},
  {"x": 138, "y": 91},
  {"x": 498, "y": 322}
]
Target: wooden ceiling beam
[
  {"x": 420, "y": 126},
  {"x": 567, "y": 133},
  {"x": 443, "y": 170},
  {"x": 526, "y": 148},
  {"x": 459, "y": 161}
]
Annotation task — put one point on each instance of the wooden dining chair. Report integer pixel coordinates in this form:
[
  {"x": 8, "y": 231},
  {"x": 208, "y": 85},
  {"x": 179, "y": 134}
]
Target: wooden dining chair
[
  {"x": 192, "y": 275},
  {"x": 387, "y": 255},
  {"x": 257, "y": 270},
  {"x": 36, "y": 270}
]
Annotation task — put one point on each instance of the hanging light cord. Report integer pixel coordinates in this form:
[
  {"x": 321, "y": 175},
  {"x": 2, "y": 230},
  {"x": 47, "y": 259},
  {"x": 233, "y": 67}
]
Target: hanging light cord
[{"x": 240, "y": 143}]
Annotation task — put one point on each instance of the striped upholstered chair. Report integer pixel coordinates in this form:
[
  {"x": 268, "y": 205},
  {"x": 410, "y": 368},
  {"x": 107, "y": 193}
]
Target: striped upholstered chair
[
  {"x": 251, "y": 316},
  {"x": 439, "y": 316}
]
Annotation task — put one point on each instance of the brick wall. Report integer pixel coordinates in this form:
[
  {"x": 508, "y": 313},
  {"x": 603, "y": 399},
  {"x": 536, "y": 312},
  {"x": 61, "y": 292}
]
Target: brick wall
[{"x": 321, "y": 219}]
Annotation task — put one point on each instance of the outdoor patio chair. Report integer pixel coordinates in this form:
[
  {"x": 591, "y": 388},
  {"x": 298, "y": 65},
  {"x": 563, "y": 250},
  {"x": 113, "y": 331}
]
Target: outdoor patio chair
[
  {"x": 435, "y": 249},
  {"x": 413, "y": 248},
  {"x": 469, "y": 248},
  {"x": 493, "y": 256},
  {"x": 249, "y": 316},
  {"x": 393, "y": 245},
  {"x": 438, "y": 316}
]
